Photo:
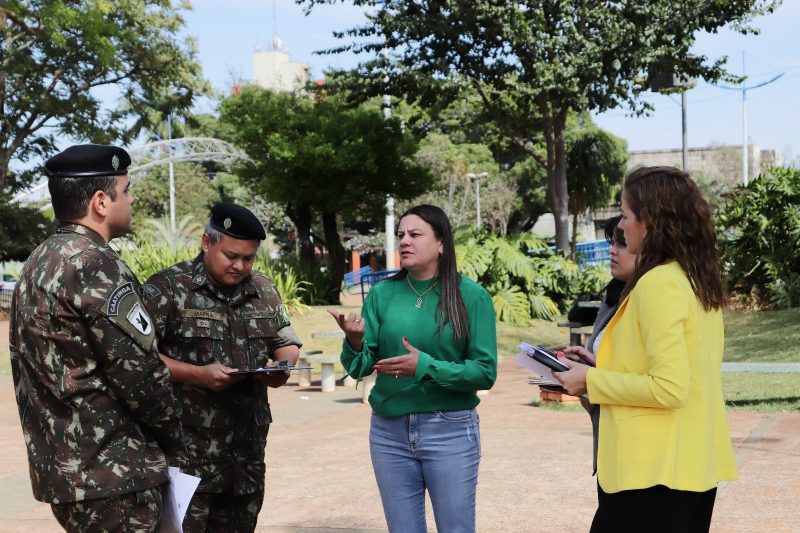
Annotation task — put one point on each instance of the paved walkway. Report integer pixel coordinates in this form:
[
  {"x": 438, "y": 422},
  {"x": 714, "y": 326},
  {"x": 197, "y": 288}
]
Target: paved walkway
[
  {"x": 761, "y": 367},
  {"x": 319, "y": 478}
]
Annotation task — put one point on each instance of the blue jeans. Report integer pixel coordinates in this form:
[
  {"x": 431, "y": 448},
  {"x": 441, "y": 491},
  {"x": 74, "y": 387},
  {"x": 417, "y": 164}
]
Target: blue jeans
[{"x": 437, "y": 451}]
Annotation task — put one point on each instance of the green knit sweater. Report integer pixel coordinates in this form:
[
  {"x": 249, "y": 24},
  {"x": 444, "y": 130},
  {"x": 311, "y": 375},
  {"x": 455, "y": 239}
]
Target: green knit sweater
[{"x": 449, "y": 372}]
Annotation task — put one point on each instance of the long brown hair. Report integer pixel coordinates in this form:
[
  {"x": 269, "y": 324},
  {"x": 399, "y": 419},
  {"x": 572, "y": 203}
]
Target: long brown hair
[
  {"x": 451, "y": 305},
  {"x": 679, "y": 228}
]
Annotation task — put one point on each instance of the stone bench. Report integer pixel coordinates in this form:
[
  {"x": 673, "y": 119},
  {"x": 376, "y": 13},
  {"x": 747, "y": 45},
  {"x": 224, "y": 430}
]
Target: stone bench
[
  {"x": 327, "y": 364},
  {"x": 334, "y": 333},
  {"x": 577, "y": 332}
]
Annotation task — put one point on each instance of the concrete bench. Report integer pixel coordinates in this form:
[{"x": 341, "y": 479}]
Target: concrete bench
[
  {"x": 328, "y": 334},
  {"x": 334, "y": 333},
  {"x": 304, "y": 376},
  {"x": 327, "y": 363},
  {"x": 577, "y": 332}
]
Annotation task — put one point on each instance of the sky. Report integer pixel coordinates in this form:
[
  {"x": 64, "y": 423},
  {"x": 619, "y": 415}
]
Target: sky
[{"x": 229, "y": 31}]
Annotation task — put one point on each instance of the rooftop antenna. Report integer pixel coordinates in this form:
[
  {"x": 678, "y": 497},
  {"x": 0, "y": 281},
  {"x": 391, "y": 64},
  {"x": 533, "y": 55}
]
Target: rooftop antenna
[{"x": 276, "y": 41}]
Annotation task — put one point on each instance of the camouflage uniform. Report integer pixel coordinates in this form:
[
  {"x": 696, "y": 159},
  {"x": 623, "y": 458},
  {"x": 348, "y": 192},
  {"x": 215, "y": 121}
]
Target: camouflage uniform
[
  {"x": 225, "y": 432},
  {"x": 94, "y": 397}
]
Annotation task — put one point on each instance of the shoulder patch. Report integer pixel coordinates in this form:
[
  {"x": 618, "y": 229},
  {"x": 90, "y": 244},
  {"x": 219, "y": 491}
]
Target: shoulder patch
[
  {"x": 139, "y": 319},
  {"x": 151, "y": 290},
  {"x": 117, "y": 296}
]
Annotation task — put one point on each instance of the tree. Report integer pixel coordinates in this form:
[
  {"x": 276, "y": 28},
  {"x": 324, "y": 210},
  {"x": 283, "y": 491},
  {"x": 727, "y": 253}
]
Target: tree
[
  {"x": 21, "y": 230},
  {"x": 194, "y": 194},
  {"x": 759, "y": 236},
  {"x": 533, "y": 61},
  {"x": 57, "y": 55},
  {"x": 451, "y": 164},
  {"x": 318, "y": 157},
  {"x": 596, "y": 162}
]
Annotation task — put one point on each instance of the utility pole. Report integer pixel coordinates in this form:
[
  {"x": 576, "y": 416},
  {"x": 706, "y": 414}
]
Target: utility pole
[
  {"x": 684, "y": 136},
  {"x": 477, "y": 177},
  {"x": 745, "y": 151},
  {"x": 389, "y": 223},
  {"x": 744, "y": 88},
  {"x": 171, "y": 176}
]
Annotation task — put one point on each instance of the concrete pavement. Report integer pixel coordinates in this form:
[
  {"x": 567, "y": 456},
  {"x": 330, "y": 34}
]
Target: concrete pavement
[{"x": 319, "y": 477}]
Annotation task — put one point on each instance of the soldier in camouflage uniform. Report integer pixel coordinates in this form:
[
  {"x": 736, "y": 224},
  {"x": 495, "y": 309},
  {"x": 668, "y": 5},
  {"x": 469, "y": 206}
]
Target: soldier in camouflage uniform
[
  {"x": 94, "y": 398},
  {"x": 212, "y": 315}
]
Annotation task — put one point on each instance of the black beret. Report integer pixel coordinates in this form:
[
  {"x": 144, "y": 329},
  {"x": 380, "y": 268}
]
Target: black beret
[
  {"x": 88, "y": 161},
  {"x": 237, "y": 221}
]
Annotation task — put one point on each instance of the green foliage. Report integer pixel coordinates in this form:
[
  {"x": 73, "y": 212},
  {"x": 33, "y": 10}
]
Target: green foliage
[
  {"x": 531, "y": 62},
  {"x": 194, "y": 194},
  {"x": 453, "y": 190},
  {"x": 596, "y": 164},
  {"x": 510, "y": 304},
  {"x": 158, "y": 232},
  {"x": 21, "y": 230},
  {"x": 319, "y": 157},
  {"x": 759, "y": 236},
  {"x": 310, "y": 151},
  {"x": 148, "y": 258},
  {"x": 57, "y": 53},
  {"x": 524, "y": 286},
  {"x": 286, "y": 281}
]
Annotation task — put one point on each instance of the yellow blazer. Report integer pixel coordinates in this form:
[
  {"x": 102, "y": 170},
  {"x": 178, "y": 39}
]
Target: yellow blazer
[{"x": 658, "y": 383}]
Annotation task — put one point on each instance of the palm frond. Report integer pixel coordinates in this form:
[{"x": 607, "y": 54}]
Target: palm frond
[
  {"x": 472, "y": 259},
  {"x": 510, "y": 304}
]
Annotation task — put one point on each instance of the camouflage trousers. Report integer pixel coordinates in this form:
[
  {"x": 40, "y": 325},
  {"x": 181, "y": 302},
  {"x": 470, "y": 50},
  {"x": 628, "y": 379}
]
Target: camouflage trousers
[
  {"x": 133, "y": 512},
  {"x": 223, "y": 513}
]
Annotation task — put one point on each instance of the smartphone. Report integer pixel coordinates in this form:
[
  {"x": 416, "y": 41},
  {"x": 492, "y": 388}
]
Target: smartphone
[{"x": 547, "y": 358}]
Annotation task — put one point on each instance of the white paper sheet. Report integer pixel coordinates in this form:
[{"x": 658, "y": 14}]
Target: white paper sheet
[
  {"x": 177, "y": 496},
  {"x": 546, "y": 375},
  {"x": 525, "y": 361}
]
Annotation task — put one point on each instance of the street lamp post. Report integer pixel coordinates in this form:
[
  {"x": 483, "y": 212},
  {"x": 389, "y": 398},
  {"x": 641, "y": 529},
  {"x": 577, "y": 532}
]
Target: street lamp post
[
  {"x": 744, "y": 88},
  {"x": 477, "y": 178},
  {"x": 171, "y": 177}
]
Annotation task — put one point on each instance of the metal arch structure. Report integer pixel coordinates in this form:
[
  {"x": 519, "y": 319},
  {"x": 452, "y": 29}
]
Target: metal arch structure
[
  {"x": 184, "y": 150},
  {"x": 187, "y": 149}
]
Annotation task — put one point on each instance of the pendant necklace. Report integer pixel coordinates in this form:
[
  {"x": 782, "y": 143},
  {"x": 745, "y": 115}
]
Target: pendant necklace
[{"x": 420, "y": 296}]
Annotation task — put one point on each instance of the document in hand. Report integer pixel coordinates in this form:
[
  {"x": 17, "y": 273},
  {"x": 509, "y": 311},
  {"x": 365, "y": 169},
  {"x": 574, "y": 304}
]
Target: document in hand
[
  {"x": 526, "y": 359},
  {"x": 177, "y": 496},
  {"x": 544, "y": 356}
]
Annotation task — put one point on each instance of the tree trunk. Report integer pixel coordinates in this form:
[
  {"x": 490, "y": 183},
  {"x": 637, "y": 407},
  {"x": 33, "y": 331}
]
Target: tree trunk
[
  {"x": 557, "y": 193},
  {"x": 573, "y": 254},
  {"x": 337, "y": 262},
  {"x": 5, "y": 160},
  {"x": 300, "y": 216}
]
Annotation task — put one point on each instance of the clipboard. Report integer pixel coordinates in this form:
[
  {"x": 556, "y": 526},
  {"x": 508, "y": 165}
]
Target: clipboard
[
  {"x": 543, "y": 356},
  {"x": 282, "y": 366}
]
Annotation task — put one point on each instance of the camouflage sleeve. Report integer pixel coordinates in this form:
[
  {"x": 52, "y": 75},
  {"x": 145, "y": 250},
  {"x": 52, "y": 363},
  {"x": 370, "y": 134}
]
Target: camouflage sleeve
[
  {"x": 157, "y": 298},
  {"x": 123, "y": 333},
  {"x": 286, "y": 336}
]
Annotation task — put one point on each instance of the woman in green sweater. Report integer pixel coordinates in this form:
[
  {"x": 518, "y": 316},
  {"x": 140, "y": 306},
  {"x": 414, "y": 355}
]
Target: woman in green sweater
[{"x": 429, "y": 333}]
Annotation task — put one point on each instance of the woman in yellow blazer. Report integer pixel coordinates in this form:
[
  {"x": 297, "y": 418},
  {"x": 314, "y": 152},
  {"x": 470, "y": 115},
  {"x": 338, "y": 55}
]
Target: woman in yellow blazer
[{"x": 664, "y": 443}]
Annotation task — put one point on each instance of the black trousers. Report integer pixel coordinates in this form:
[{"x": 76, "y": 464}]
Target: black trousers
[{"x": 656, "y": 509}]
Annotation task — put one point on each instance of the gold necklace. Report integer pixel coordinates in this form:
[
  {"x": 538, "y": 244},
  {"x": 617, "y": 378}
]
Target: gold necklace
[{"x": 420, "y": 296}]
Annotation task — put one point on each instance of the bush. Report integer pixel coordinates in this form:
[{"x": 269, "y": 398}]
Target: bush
[
  {"x": 759, "y": 237},
  {"x": 147, "y": 259},
  {"x": 523, "y": 286}
]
